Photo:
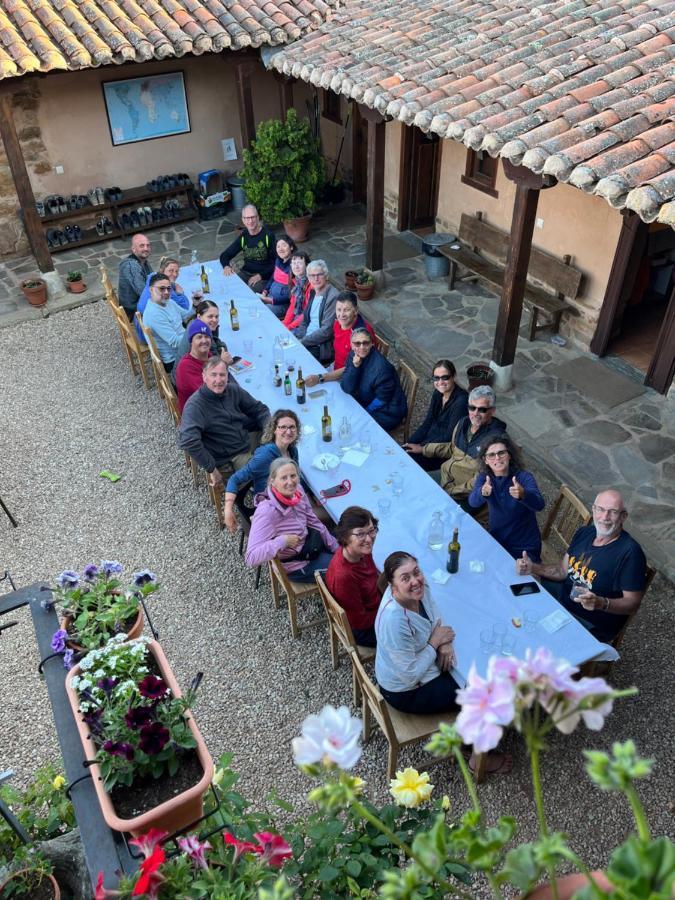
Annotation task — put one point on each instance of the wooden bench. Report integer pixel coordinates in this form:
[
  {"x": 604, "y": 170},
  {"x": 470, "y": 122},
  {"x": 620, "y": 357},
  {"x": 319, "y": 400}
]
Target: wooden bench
[{"x": 476, "y": 236}]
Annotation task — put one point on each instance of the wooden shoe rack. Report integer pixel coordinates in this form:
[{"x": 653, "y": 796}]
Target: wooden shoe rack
[{"x": 87, "y": 216}]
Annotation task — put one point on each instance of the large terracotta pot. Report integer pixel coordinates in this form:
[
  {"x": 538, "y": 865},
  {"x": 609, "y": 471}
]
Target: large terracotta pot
[
  {"x": 173, "y": 814},
  {"x": 134, "y": 632},
  {"x": 567, "y": 886},
  {"x": 76, "y": 287},
  {"x": 36, "y": 296},
  {"x": 298, "y": 229},
  {"x": 53, "y": 883},
  {"x": 365, "y": 291}
]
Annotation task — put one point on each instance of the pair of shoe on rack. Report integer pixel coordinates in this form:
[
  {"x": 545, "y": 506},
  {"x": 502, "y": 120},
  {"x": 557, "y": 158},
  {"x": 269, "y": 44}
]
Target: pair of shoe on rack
[
  {"x": 133, "y": 221},
  {"x": 104, "y": 226},
  {"x": 113, "y": 194},
  {"x": 55, "y": 205},
  {"x": 169, "y": 182},
  {"x": 96, "y": 196},
  {"x": 57, "y": 237}
]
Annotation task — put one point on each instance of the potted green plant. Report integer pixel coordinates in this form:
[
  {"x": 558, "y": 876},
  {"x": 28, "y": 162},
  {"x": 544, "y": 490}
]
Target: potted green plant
[
  {"x": 35, "y": 291},
  {"x": 365, "y": 284},
  {"x": 283, "y": 173},
  {"x": 95, "y": 605},
  {"x": 33, "y": 881},
  {"x": 75, "y": 282},
  {"x": 152, "y": 767}
]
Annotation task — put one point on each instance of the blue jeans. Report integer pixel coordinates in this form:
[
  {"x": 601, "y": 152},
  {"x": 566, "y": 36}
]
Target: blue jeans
[
  {"x": 306, "y": 574},
  {"x": 436, "y": 696}
]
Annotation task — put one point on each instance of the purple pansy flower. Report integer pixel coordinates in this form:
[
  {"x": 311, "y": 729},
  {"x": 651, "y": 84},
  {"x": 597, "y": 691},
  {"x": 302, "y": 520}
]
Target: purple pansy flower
[
  {"x": 68, "y": 658},
  {"x": 153, "y": 738},
  {"x": 152, "y": 687},
  {"x": 59, "y": 641},
  {"x": 139, "y": 716},
  {"x": 145, "y": 576},
  {"x": 111, "y": 567},
  {"x": 119, "y": 748},
  {"x": 68, "y": 579},
  {"x": 106, "y": 684},
  {"x": 90, "y": 572}
]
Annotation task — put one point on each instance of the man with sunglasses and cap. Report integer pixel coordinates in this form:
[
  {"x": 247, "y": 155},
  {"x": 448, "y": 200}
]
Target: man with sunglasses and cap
[{"x": 461, "y": 453}]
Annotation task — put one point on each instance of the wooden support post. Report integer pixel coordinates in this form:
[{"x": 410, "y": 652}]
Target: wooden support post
[
  {"x": 375, "y": 189},
  {"x": 528, "y": 186},
  {"x": 285, "y": 93},
  {"x": 242, "y": 70},
  {"x": 24, "y": 190}
]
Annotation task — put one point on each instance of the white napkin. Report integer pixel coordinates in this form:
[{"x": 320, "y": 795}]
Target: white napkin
[
  {"x": 555, "y": 621},
  {"x": 355, "y": 457},
  {"x": 439, "y": 576}
]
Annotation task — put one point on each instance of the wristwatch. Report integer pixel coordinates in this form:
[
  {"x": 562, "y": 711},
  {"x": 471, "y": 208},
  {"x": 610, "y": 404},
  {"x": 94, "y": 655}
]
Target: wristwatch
[{"x": 322, "y": 378}]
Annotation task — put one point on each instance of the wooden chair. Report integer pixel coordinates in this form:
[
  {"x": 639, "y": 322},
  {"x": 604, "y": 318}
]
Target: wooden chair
[
  {"x": 106, "y": 283},
  {"x": 409, "y": 383},
  {"x": 340, "y": 633},
  {"x": 400, "y": 729},
  {"x": 245, "y": 514},
  {"x": 294, "y": 591},
  {"x": 383, "y": 346},
  {"x": 137, "y": 354},
  {"x": 567, "y": 514}
]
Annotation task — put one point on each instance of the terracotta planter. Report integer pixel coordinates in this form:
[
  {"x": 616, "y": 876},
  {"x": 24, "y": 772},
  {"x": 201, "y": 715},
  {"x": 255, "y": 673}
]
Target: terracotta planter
[
  {"x": 365, "y": 291},
  {"x": 298, "y": 229},
  {"x": 568, "y": 885},
  {"x": 48, "y": 879},
  {"x": 350, "y": 280},
  {"x": 36, "y": 296},
  {"x": 134, "y": 632},
  {"x": 76, "y": 287},
  {"x": 173, "y": 814},
  {"x": 478, "y": 374}
]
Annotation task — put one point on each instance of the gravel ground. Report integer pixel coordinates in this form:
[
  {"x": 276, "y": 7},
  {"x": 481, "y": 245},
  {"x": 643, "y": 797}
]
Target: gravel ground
[{"x": 70, "y": 409}]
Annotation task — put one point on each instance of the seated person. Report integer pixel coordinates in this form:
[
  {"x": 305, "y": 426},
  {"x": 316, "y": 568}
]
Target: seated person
[
  {"x": 604, "y": 563},
  {"x": 164, "y": 318},
  {"x": 352, "y": 575},
  {"x": 448, "y": 405},
  {"x": 191, "y": 366},
  {"x": 257, "y": 245},
  {"x": 460, "y": 454},
  {"x": 414, "y": 651},
  {"x": 280, "y": 439},
  {"x": 512, "y": 496},
  {"x": 207, "y": 312},
  {"x": 169, "y": 267},
  {"x": 285, "y": 525},
  {"x": 216, "y": 425},
  {"x": 372, "y": 381},
  {"x": 316, "y": 329},
  {"x": 347, "y": 318},
  {"x": 134, "y": 271},
  {"x": 300, "y": 290},
  {"x": 277, "y": 291}
]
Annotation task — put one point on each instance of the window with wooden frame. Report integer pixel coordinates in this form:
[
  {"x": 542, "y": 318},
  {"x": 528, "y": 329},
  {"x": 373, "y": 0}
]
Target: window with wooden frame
[
  {"x": 481, "y": 172},
  {"x": 331, "y": 107}
]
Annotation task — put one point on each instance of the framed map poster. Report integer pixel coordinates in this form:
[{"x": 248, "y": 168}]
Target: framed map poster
[{"x": 142, "y": 109}]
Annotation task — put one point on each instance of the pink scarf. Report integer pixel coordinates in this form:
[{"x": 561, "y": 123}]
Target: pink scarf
[{"x": 287, "y": 501}]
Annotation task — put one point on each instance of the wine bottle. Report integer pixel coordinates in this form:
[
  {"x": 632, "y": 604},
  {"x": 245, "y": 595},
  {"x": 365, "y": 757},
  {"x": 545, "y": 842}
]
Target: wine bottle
[
  {"x": 234, "y": 316},
  {"x": 300, "y": 389},
  {"x": 453, "y": 553},
  {"x": 205, "y": 281},
  {"x": 277, "y": 377},
  {"x": 288, "y": 389},
  {"x": 326, "y": 426}
]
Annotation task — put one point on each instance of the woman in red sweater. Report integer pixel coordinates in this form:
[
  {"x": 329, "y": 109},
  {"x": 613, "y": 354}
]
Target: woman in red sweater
[{"x": 352, "y": 575}]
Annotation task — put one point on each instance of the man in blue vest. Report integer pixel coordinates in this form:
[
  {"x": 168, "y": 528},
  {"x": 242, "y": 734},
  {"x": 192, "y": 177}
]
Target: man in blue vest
[{"x": 257, "y": 244}]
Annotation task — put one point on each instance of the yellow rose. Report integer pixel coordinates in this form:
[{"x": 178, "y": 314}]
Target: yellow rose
[
  {"x": 409, "y": 788},
  {"x": 58, "y": 782}
]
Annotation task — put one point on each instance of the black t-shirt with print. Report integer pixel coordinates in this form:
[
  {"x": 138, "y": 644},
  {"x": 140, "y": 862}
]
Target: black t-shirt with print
[{"x": 607, "y": 571}]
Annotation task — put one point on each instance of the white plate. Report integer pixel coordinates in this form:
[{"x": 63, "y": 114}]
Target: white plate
[{"x": 326, "y": 462}]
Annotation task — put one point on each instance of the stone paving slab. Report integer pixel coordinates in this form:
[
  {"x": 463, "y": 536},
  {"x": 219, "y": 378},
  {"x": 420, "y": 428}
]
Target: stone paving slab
[{"x": 568, "y": 434}]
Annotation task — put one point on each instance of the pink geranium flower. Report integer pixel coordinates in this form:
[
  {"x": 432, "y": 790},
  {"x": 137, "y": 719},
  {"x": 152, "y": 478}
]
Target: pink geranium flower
[
  {"x": 487, "y": 705},
  {"x": 273, "y": 849},
  {"x": 589, "y": 699},
  {"x": 195, "y": 849}
]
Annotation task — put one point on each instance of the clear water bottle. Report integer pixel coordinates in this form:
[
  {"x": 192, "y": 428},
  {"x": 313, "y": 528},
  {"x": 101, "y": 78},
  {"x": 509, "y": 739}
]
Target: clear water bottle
[
  {"x": 436, "y": 539},
  {"x": 278, "y": 353},
  {"x": 345, "y": 434},
  {"x": 193, "y": 258}
]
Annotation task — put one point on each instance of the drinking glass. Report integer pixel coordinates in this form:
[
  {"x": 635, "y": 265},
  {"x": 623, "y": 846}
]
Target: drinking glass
[
  {"x": 499, "y": 632},
  {"x": 290, "y": 363},
  {"x": 253, "y": 310},
  {"x": 248, "y": 347},
  {"x": 577, "y": 591},
  {"x": 487, "y": 641},
  {"x": 397, "y": 485},
  {"x": 383, "y": 507},
  {"x": 530, "y": 620},
  {"x": 366, "y": 440},
  {"x": 508, "y": 645}
]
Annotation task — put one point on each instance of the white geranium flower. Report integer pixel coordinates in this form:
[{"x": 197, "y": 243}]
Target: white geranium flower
[{"x": 332, "y": 737}]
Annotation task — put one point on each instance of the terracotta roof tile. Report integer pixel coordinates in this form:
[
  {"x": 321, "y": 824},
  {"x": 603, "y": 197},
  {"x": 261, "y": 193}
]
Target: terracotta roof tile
[{"x": 585, "y": 85}]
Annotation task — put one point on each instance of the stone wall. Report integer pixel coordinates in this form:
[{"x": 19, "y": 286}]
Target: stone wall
[{"x": 13, "y": 239}]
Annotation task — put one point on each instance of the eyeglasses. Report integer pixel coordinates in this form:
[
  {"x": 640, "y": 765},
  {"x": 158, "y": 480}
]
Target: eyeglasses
[
  {"x": 612, "y": 513},
  {"x": 316, "y": 274},
  {"x": 362, "y": 535},
  {"x": 441, "y": 377},
  {"x": 287, "y": 427},
  {"x": 164, "y": 288},
  {"x": 498, "y": 454},
  {"x": 479, "y": 409},
  {"x": 361, "y": 343}
]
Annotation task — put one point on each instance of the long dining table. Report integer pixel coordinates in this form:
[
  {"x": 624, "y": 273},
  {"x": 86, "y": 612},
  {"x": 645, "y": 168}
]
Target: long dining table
[{"x": 478, "y": 597}]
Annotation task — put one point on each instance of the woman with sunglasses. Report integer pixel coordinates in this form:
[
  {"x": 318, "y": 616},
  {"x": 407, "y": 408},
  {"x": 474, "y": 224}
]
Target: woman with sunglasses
[
  {"x": 373, "y": 382},
  {"x": 352, "y": 575},
  {"x": 279, "y": 439},
  {"x": 512, "y": 496},
  {"x": 447, "y": 407}
]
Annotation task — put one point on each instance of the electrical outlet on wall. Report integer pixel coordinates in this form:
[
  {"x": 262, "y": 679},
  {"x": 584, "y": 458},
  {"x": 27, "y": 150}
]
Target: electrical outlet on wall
[
  {"x": 229, "y": 149},
  {"x": 58, "y": 170}
]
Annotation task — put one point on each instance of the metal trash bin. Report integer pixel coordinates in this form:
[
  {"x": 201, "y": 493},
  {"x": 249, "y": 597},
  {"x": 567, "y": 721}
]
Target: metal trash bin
[
  {"x": 435, "y": 264},
  {"x": 236, "y": 186}
]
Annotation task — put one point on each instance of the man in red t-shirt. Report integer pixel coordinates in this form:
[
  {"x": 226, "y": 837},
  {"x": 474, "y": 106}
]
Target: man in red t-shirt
[
  {"x": 190, "y": 367},
  {"x": 347, "y": 318}
]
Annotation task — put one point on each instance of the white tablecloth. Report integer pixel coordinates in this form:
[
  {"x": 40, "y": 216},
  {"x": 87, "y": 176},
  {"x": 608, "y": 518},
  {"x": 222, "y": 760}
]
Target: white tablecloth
[{"x": 470, "y": 602}]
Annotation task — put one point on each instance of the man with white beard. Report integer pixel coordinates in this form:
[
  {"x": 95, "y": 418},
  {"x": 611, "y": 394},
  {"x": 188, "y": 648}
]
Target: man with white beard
[{"x": 601, "y": 578}]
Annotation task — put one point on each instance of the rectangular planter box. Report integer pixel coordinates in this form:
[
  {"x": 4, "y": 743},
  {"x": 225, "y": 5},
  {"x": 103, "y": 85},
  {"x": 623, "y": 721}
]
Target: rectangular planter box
[{"x": 173, "y": 814}]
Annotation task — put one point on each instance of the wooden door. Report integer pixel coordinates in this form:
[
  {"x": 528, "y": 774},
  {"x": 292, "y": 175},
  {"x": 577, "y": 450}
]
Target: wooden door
[
  {"x": 420, "y": 167},
  {"x": 359, "y": 155},
  {"x": 662, "y": 368}
]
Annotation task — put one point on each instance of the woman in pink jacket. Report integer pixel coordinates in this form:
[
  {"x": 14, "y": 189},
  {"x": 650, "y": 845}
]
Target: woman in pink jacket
[{"x": 285, "y": 525}]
